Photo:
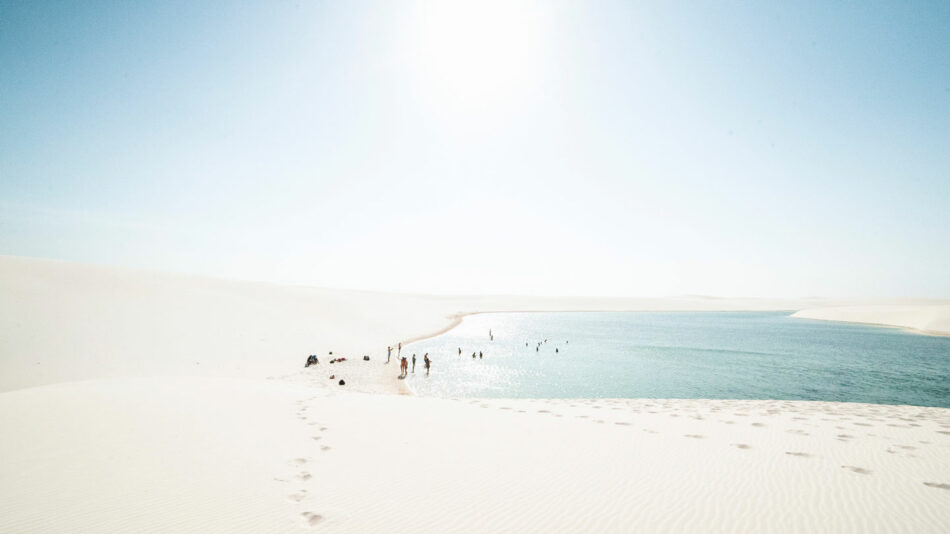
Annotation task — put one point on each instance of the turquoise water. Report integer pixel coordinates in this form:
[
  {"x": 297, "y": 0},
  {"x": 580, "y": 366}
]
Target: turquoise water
[{"x": 718, "y": 355}]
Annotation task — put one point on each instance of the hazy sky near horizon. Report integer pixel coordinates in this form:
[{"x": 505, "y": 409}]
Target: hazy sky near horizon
[{"x": 600, "y": 148}]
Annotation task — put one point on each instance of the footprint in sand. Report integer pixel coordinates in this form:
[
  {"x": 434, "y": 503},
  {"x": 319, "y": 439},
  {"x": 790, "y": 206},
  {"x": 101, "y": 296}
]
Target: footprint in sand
[
  {"x": 300, "y": 461},
  {"x": 947, "y": 432},
  {"x": 938, "y": 486},
  {"x": 695, "y": 436},
  {"x": 310, "y": 519},
  {"x": 758, "y": 424},
  {"x": 798, "y": 454},
  {"x": 798, "y": 431},
  {"x": 316, "y": 438},
  {"x": 622, "y": 423},
  {"x": 325, "y": 448},
  {"x": 544, "y": 411},
  {"x": 303, "y": 475},
  {"x": 858, "y": 470},
  {"x": 323, "y": 428},
  {"x": 741, "y": 446},
  {"x": 297, "y": 497}
]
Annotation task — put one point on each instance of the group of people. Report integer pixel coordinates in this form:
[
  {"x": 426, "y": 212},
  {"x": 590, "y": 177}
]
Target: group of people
[
  {"x": 480, "y": 355},
  {"x": 404, "y": 362},
  {"x": 537, "y": 347},
  {"x": 313, "y": 360},
  {"x": 404, "y": 365}
]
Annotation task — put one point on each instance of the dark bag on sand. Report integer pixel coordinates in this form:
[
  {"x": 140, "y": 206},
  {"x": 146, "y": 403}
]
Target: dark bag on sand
[
  {"x": 365, "y": 358},
  {"x": 342, "y": 382}
]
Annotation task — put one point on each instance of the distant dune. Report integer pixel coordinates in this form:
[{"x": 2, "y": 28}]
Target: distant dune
[{"x": 926, "y": 317}]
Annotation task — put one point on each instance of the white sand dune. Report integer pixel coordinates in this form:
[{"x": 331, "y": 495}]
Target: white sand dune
[
  {"x": 928, "y": 317},
  {"x": 143, "y": 402}
]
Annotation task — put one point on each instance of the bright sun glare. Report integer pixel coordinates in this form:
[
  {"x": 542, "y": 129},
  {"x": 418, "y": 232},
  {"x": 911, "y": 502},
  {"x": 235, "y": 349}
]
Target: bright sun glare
[{"x": 477, "y": 55}]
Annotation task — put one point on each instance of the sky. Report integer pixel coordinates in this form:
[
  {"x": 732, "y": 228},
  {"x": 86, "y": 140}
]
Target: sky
[{"x": 753, "y": 149}]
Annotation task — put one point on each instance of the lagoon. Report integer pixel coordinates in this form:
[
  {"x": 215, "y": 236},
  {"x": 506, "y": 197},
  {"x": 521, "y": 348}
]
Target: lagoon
[{"x": 716, "y": 355}]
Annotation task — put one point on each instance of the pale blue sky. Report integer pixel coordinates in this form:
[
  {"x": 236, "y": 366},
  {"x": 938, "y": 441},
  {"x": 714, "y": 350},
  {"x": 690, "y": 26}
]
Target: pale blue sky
[{"x": 605, "y": 148}]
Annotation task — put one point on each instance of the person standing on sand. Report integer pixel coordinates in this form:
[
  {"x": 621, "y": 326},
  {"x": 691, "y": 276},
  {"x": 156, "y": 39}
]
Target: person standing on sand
[
  {"x": 389, "y": 352},
  {"x": 479, "y": 355},
  {"x": 460, "y": 351},
  {"x": 403, "y": 367},
  {"x": 473, "y": 355},
  {"x": 398, "y": 354},
  {"x": 427, "y": 361},
  {"x": 413, "y": 364}
]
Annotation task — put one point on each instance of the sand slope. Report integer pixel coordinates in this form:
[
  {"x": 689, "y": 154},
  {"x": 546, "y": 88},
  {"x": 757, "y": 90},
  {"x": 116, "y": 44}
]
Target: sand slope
[
  {"x": 147, "y": 455},
  {"x": 227, "y": 455},
  {"x": 927, "y": 318},
  {"x": 143, "y": 402}
]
